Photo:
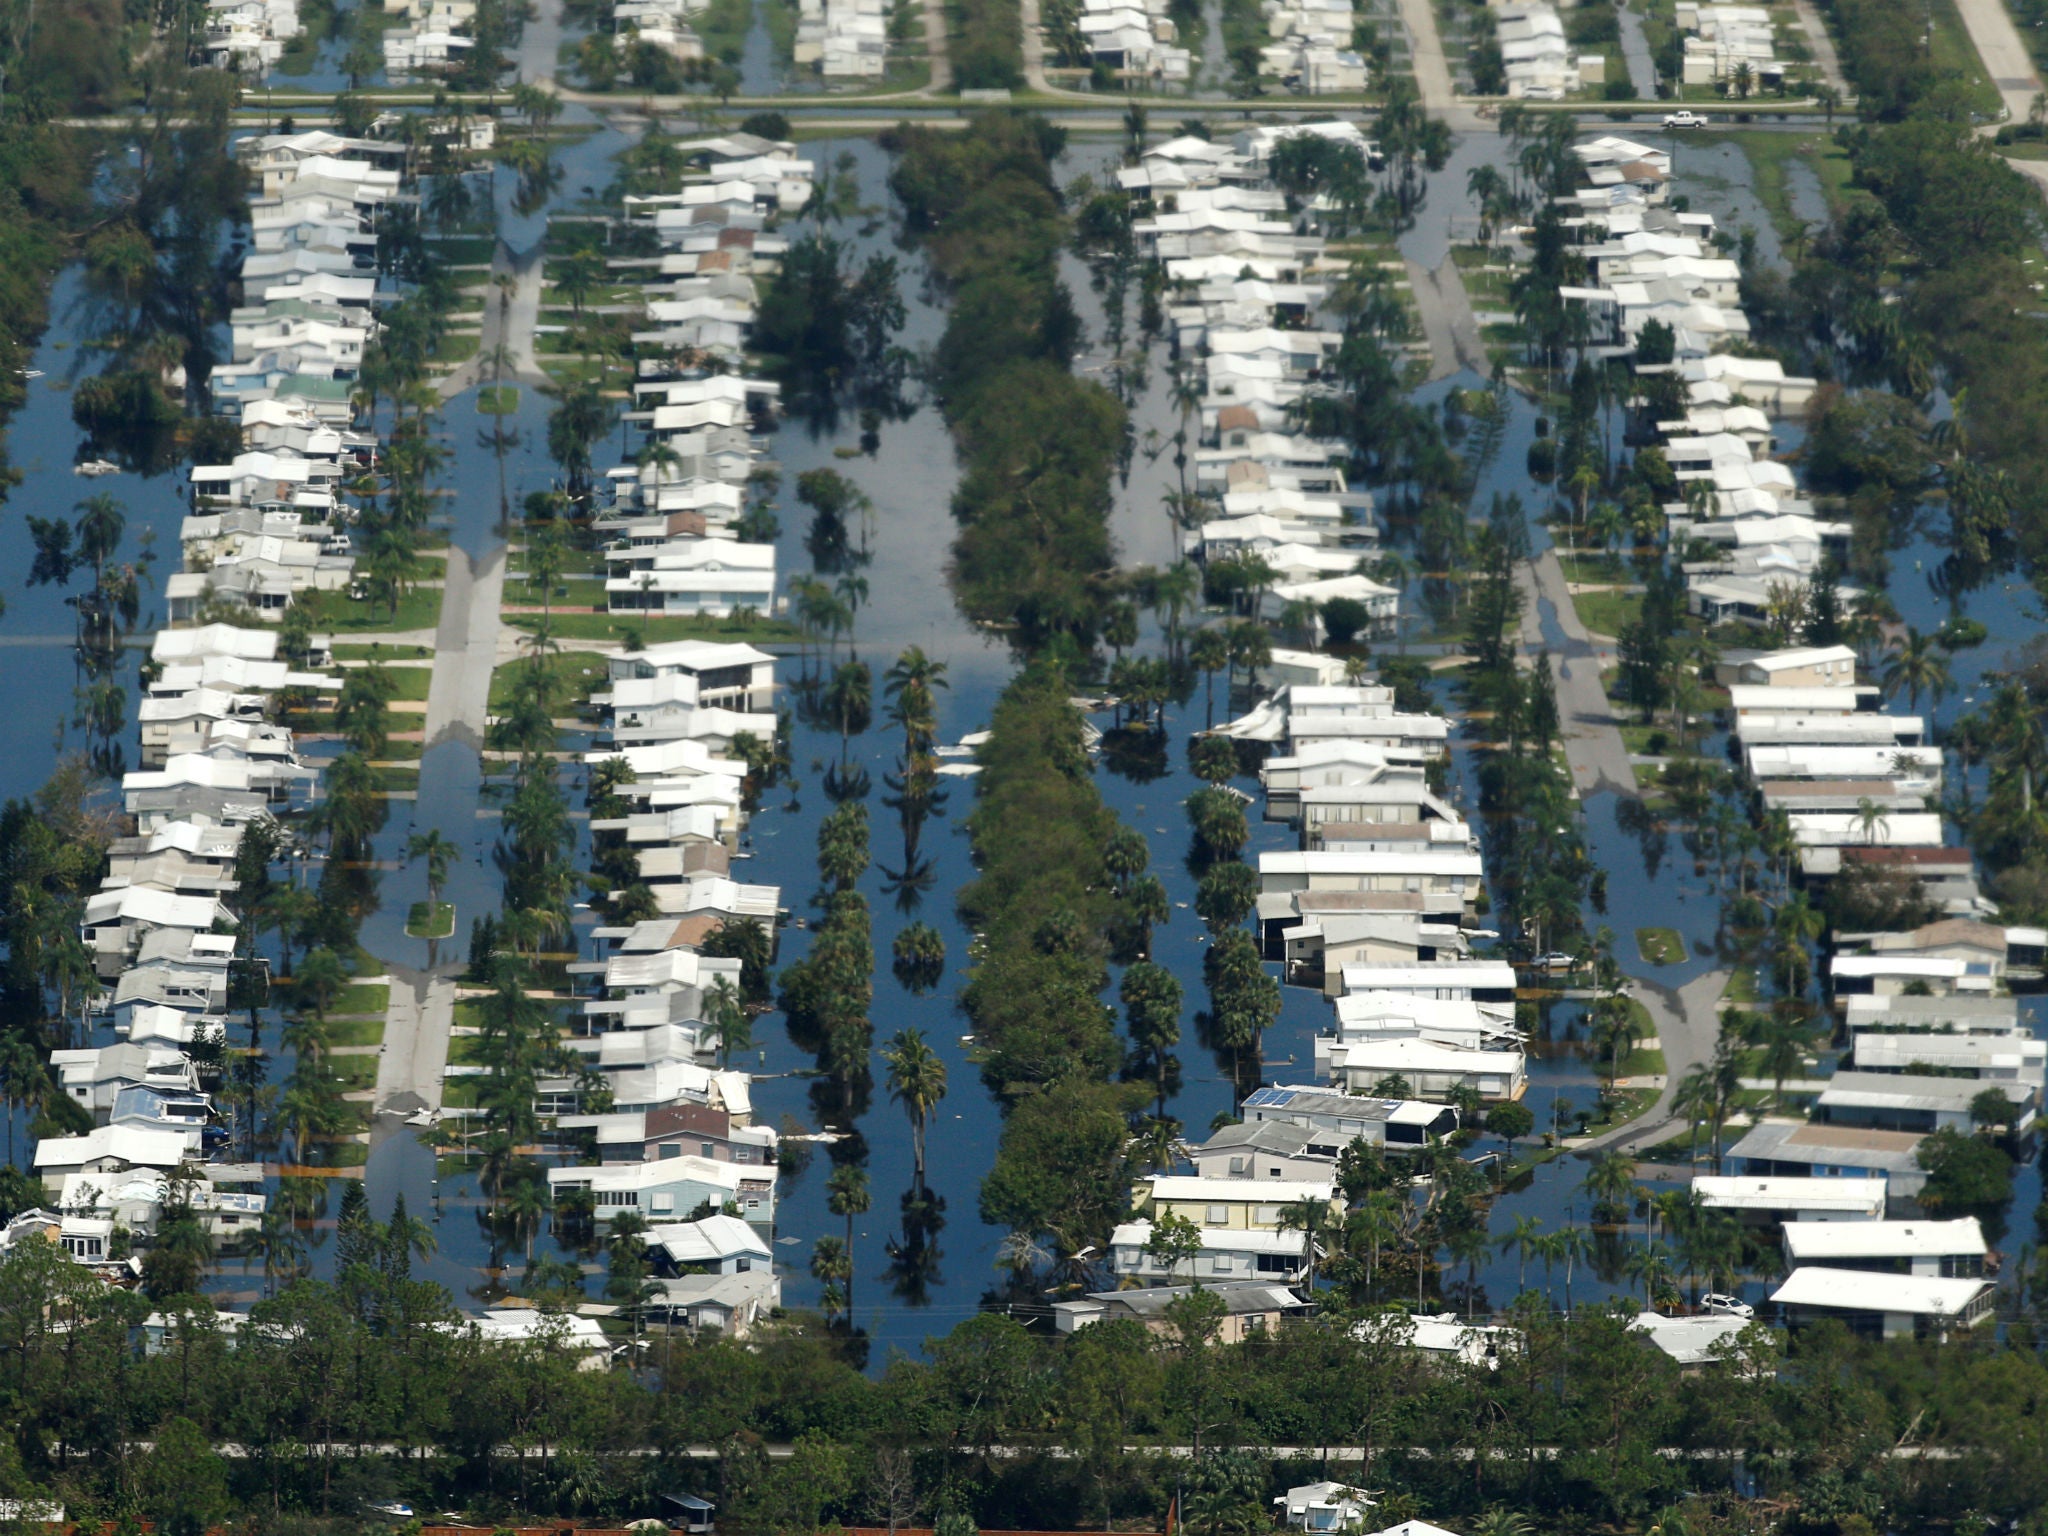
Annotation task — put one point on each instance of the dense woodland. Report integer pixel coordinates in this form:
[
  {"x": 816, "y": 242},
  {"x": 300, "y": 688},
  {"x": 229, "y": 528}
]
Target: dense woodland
[{"x": 333, "y": 1393}]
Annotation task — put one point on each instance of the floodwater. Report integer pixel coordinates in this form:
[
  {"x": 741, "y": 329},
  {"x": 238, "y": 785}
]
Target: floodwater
[{"x": 907, "y": 1292}]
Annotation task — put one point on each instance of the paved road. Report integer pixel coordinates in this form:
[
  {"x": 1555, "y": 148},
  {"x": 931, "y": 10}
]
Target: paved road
[
  {"x": 1688, "y": 1024},
  {"x": 465, "y": 649},
  {"x": 1822, "y": 44},
  {"x": 1426, "y": 49},
  {"x": 2005, "y": 56},
  {"x": 509, "y": 322},
  {"x": 415, "y": 1056},
  {"x": 540, "y": 43},
  {"x": 1592, "y": 735},
  {"x": 1635, "y": 54},
  {"x": 937, "y": 48},
  {"x": 1448, "y": 323}
]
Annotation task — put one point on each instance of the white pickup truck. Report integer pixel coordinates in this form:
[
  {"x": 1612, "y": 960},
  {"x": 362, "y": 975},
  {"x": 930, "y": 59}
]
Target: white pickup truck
[{"x": 1684, "y": 120}]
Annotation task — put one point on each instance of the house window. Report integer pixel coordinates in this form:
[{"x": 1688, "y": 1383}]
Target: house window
[
  {"x": 1236, "y": 1166},
  {"x": 663, "y": 1203},
  {"x": 1222, "y": 1264},
  {"x": 1268, "y": 1216},
  {"x": 1218, "y": 1215}
]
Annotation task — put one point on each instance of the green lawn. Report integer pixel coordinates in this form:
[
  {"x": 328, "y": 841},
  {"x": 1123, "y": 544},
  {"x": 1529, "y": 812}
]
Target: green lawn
[
  {"x": 572, "y": 594},
  {"x": 364, "y": 997},
  {"x": 365, "y": 1031},
  {"x": 1770, "y": 153},
  {"x": 1607, "y": 613},
  {"x": 410, "y": 683},
  {"x": 438, "y": 924},
  {"x": 378, "y": 650},
  {"x": 338, "y": 613},
  {"x": 653, "y": 631},
  {"x": 1660, "y": 946},
  {"x": 354, "y": 1073},
  {"x": 1741, "y": 988},
  {"x": 576, "y": 673},
  {"x": 1954, "y": 54}
]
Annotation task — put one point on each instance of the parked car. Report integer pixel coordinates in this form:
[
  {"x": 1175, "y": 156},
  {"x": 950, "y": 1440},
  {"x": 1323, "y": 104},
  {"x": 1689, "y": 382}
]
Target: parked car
[
  {"x": 1717, "y": 1305},
  {"x": 1555, "y": 960},
  {"x": 1684, "y": 120}
]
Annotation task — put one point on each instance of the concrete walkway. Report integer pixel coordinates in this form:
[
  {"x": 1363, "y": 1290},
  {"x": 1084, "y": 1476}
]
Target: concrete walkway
[
  {"x": 1688, "y": 1025},
  {"x": 2005, "y": 55}
]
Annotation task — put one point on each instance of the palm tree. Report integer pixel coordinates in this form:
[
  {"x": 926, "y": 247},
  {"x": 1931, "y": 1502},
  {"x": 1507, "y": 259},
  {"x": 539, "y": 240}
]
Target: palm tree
[
  {"x": 917, "y": 1081},
  {"x": 439, "y": 853},
  {"x": 1309, "y": 1216},
  {"x": 1921, "y": 666},
  {"x": 321, "y": 979},
  {"x": 1652, "y": 1265},
  {"x": 1523, "y": 1240},
  {"x": 1611, "y": 1182},
  {"x": 832, "y": 1265},
  {"x": 1209, "y": 651},
  {"x": 282, "y": 1248},
  {"x": 849, "y": 700},
  {"x": 1574, "y": 1247},
  {"x": 726, "y": 1020},
  {"x": 847, "y": 1194},
  {"x": 1870, "y": 816}
]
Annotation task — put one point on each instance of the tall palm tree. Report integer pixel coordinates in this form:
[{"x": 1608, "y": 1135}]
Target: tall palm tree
[
  {"x": 847, "y": 1194},
  {"x": 1311, "y": 1217},
  {"x": 1523, "y": 1240},
  {"x": 917, "y": 1081},
  {"x": 439, "y": 853},
  {"x": 726, "y": 1019},
  {"x": 1920, "y": 666}
]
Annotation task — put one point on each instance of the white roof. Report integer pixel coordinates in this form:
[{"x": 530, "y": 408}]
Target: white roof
[
  {"x": 1364, "y": 976},
  {"x": 1746, "y": 1192},
  {"x": 1689, "y": 1340},
  {"x": 1805, "y": 658},
  {"x": 214, "y": 640},
  {"x": 709, "y": 1240},
  {"x": 137, "y": 1145},
  {"x": 1183, "y": 1190},
  {"x": 1810, "y": 1241},
  {"x": 1858, "y": 1290},
  {"x": 517, "y": 1325},
  {"x": 1279, "y": 1243}
]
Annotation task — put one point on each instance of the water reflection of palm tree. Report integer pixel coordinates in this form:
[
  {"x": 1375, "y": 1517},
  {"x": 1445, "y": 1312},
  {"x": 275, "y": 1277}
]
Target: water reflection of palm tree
[{"x": 914, "y": 1253}]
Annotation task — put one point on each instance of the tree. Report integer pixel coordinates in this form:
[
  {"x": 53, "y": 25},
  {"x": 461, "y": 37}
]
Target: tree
[
  {"x": 726, "y": 1020},
  {"x": 1965, "y": 1174},
  {"x": 1920, "y": 666},
  {"x": 1510, "y": 1121},
  {"x": 917, "y": 1081},
  {"x": 1175, "y": 1243},
  {"x": 1151, "y": 996},
  {"x": 321, "y": 979},
  {"x": 183, "y": 1484},
  {"x": 847, "y": 1195},
  {"x": 439, "y": 853}
]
